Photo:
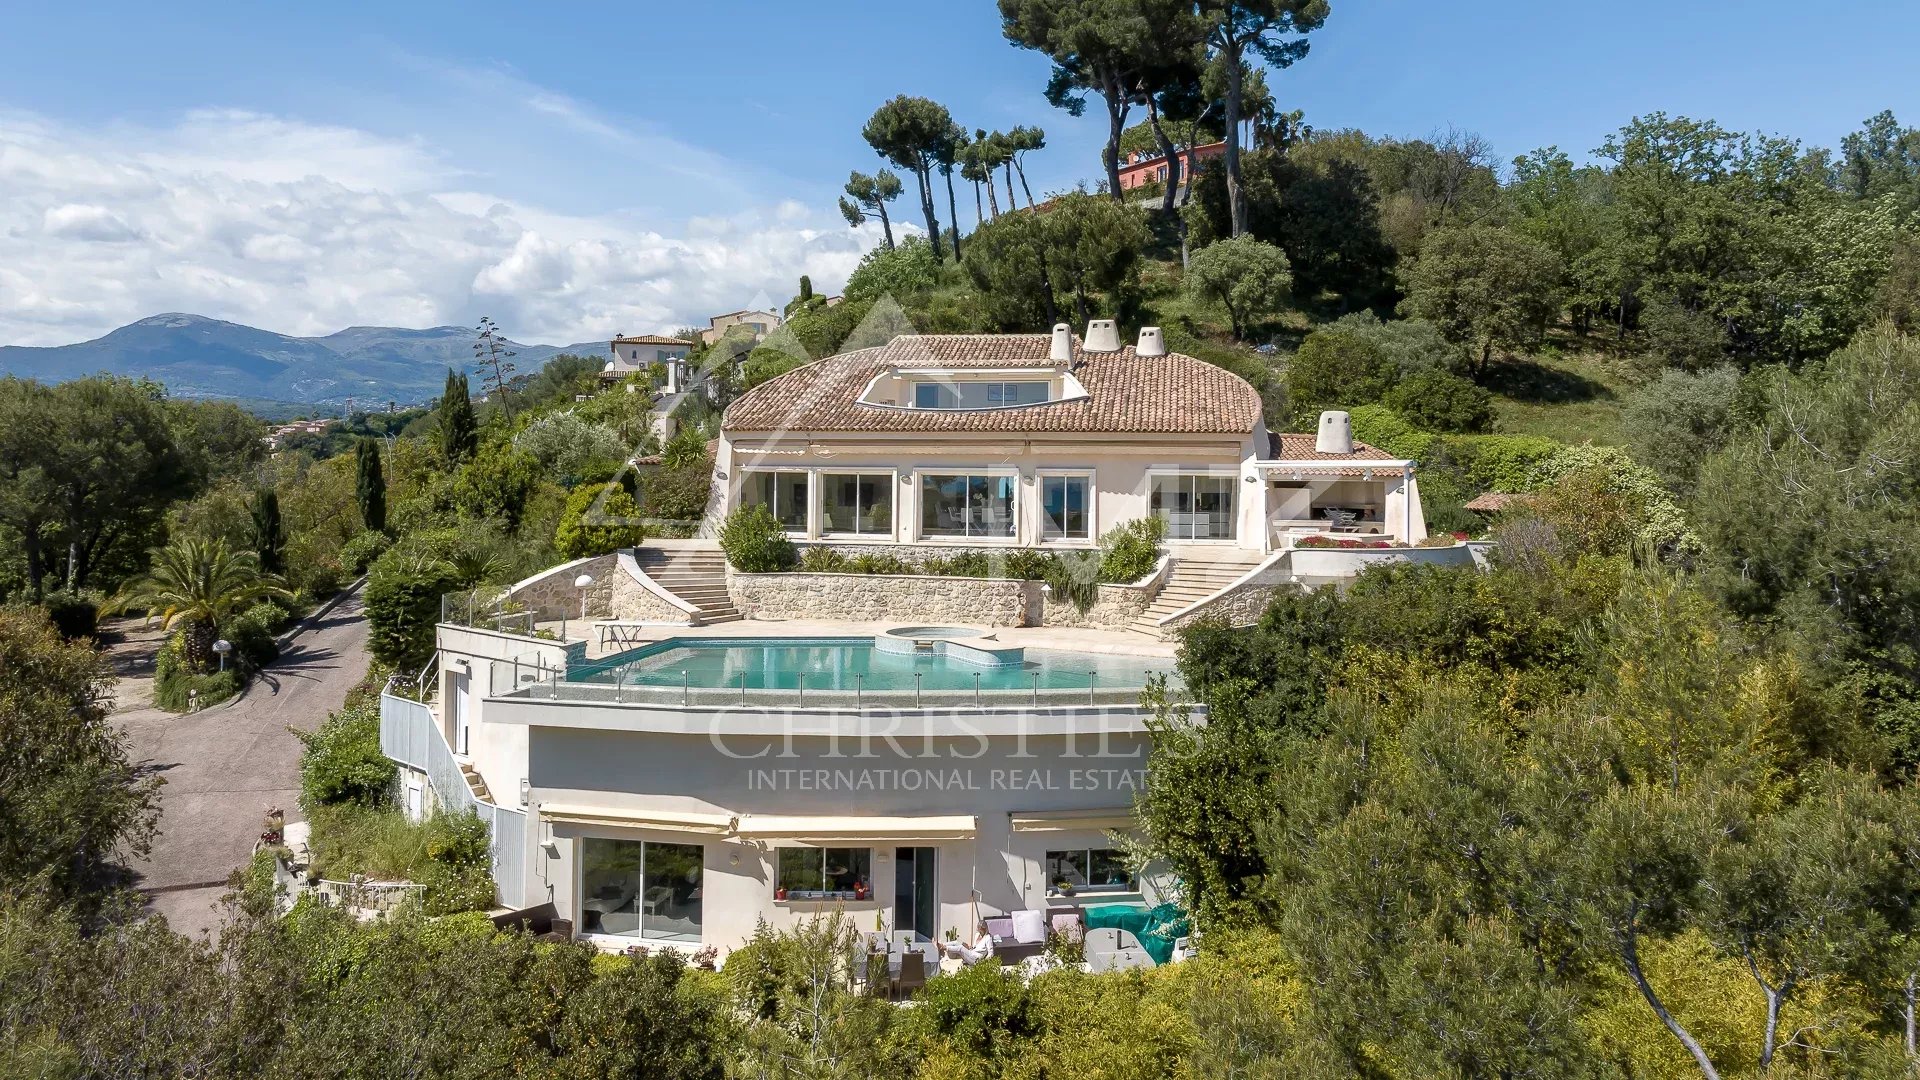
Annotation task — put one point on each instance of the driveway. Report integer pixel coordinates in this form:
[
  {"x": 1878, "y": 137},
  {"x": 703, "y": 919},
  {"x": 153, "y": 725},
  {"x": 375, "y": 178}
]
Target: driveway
[{"x": 226, "y": 766}]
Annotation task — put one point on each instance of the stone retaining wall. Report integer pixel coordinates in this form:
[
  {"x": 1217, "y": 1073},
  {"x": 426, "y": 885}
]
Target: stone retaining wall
[
  {"x": 1240, "y": 606},
  {"x": 617, "y": 592},
  {"x": 883, "y": 598}
]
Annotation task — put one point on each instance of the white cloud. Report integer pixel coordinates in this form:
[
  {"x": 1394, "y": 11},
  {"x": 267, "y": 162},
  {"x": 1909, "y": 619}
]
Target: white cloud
[{"x": 307, "y": 228}]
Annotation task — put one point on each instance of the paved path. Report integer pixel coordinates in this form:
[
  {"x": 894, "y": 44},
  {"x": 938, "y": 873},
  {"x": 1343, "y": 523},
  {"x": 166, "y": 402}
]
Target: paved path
[{"x": 227, "y": 765}]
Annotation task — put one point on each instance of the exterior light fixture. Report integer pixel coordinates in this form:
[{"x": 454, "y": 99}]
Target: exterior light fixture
[{"x": 581, "y": 583}]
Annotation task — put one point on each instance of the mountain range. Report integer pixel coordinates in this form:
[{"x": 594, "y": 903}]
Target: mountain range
[{"x": 195, "y": 356}]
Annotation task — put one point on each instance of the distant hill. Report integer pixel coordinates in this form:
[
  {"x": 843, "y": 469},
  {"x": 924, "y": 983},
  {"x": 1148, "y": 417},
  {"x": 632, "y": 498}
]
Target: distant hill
[{"x": 200, "y": 357}]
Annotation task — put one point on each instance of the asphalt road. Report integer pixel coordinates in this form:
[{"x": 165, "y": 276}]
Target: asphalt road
[{"x": 226, "y": 766}]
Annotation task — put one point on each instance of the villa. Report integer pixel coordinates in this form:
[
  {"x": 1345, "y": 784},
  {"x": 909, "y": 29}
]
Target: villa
[
  {"x": 686, "y": 751},
  {"x": 635, "y": 354}
]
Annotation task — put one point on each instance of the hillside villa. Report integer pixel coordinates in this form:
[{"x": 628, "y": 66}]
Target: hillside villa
[
  {"x": 686, "y": 750},
  {"x": 632, "y": 355},
  {"x": 761, "y": 323},
  {"x": 1141, "y": 168}
]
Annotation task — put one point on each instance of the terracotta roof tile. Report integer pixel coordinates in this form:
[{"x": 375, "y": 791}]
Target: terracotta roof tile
[
  {"x": 1492, "y": 502},
  {"x": 651, "y": 339},
  {"x": 1171, "y": 394},
  {"x": 1291, "y": 447}
]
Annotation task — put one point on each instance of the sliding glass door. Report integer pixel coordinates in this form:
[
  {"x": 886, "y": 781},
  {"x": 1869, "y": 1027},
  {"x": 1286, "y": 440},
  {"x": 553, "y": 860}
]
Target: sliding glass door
[
  {"x": 967, "y": 505},
  {"x": 1195, "y": 506}
]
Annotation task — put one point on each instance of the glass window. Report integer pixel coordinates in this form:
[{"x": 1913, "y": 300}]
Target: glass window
[
  {"x": 633, "y": 888},
  {"x": 784, "y": 493},
  {"x": 1089, "y": 870},
  {"x": 1195, "y": 507},
  {"x": 980, "y": 394},
  {"x": 860, "y": 504},
  {"x": 826, "y": 873},
  {"x": 968, "y": 504},
  {"x": 1064, "y": 508}
]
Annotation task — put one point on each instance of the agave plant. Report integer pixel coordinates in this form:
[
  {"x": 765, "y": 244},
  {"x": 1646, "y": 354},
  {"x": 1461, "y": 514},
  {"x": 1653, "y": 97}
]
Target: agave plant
[{"x": 197, "y": 584}]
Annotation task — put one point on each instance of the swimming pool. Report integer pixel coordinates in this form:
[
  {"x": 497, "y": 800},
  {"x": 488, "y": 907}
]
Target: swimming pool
[{"x": 853, "y": 664}]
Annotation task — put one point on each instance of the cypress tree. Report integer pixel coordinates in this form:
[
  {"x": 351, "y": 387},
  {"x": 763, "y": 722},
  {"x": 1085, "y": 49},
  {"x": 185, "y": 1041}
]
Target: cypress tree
[
  {"x": 459, "y": 431},
  {"x": 372, "y": 487},
  {"x": 269, "y": 535}
]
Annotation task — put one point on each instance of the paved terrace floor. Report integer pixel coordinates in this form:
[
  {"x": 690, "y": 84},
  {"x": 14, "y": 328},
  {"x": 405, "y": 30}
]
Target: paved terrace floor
[{"x": 1070, "y": 639}]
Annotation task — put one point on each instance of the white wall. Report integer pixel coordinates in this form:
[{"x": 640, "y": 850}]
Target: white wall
[
  {"x": 1120, "y": 467},
  {"x": 989, "y": 777}
]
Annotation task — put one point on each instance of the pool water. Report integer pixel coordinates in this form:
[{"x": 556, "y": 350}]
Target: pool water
[{"x": 853, "y": 663}]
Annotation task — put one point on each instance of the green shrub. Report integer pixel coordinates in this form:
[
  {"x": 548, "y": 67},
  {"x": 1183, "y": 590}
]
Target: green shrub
[
  {"x": 404, "y": 587},
  {"x": 1439, "y": 401},
  {"x": 447, "y": 853},
  {"x": 360, "y": 551},
  {"x": 754, "y": 542},
  {"x": 255, "y": 634},
  {"x": 75, "y": 615},
  {"x": 677, "y": 494},
  {"x": 879, "y": 562},
  {"x": 1130, "y": 549},
  {"x": 177, "y": 689},
  {"x": 1336, "y": 369},
  {"x": 598, "y": 521},
  {"x": 823, "y": 560},
  {"x": 342, "y": 762}
]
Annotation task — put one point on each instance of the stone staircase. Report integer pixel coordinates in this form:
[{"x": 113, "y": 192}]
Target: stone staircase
[
  {"x": 474, "y": 783},
  {"x": 1190, "y": 581},
  {"x": 696, "y": 575}
]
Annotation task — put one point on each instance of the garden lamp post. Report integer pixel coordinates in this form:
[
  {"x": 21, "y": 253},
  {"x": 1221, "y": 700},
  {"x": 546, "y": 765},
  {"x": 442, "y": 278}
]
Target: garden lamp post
[
  {"x": 581, "y": 583},
  {"x": 222, "y": 648}
]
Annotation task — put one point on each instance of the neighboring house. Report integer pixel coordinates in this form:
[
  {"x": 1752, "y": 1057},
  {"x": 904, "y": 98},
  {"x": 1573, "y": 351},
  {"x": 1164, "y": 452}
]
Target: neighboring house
[
  {"x": 1031, "y": 440},
  {"x": 632, "y": 355},
  {"x": 1142, "y": 168},
  {"x": 281, "y": 433},
  {"x": 761, "y": 323}
]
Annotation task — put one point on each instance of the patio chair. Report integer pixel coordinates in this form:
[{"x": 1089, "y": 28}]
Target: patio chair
[
  {"x": 1014, "y": 945},
  {"x": 1341, "y": 520},
  {"x": 913, "y": 974}
]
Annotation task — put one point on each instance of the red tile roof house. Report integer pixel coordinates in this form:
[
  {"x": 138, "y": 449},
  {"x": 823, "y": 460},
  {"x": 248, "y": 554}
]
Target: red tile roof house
[
  {"x": 1047, "y": 441},
  {"x": 666, "y": 772}
]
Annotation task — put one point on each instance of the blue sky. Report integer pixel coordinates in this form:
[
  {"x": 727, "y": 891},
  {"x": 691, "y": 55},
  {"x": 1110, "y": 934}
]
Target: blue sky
[{"x": 582, "y": 168}]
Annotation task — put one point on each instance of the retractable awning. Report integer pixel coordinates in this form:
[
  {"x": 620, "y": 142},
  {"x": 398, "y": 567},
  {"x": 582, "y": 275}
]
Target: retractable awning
[
  {"x": 668, "y": 820},
  {"x": 823, "y": 829},
  {"x": 1115, "y": 819}
]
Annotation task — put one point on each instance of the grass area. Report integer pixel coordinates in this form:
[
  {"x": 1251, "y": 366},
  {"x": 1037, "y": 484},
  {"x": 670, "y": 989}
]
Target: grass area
[
  {"x": 447, "y": 853},
  {"x": 1570, "y": 396}
]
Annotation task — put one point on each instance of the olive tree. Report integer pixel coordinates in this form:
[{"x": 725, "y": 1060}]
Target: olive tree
[{"x": 1249, "y": 278}]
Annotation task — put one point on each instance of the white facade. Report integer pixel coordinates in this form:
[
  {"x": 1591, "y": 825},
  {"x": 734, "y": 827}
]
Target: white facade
[{"x": 665, "y": 825}]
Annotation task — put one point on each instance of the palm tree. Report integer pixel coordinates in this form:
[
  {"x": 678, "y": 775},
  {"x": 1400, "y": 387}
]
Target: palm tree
[{"x": 197, "y": 584}]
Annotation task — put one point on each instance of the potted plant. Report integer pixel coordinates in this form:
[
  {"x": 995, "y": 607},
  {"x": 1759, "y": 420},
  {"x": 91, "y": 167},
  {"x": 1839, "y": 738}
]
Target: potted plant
[
  {"x": 780, "y": 893},
  {"x": 1063, "y": 887},
  {"x": 860, "y": 890}
]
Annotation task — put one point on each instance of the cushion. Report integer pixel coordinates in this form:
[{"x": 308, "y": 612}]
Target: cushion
[
  {"x": 1029, "y": 927},
  {"x": 1067, "y": 926},
  {"x": 1001, "y": 927}
]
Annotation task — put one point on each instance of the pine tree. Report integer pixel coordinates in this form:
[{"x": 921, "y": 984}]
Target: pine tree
[
  {"x": 269, "y": 535},
  {"x": 372, "y": 487},
  {"x": 459, "y": 432}
]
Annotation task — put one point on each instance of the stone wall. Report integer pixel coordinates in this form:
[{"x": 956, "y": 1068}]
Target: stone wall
[
  {"x": 882, "y": 598},
  {"x": 1240, "y": 606},
  {"x": 617, "y": 592},
  {"x": 551, "y": 595},
  {"x": 1115, "y": 607}
]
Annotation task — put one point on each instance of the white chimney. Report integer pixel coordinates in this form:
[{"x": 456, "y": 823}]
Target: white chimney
[
  {"x": 1336, "y": 433},
  {"x": 1152, "y": 342},
  {"x": 1103, "y": 335},
  {"x": 1062, "y": 350}
]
